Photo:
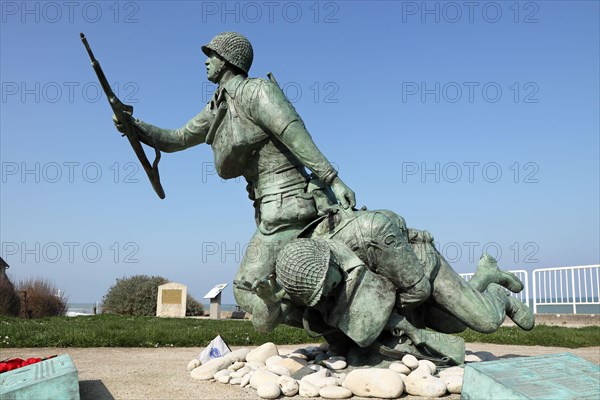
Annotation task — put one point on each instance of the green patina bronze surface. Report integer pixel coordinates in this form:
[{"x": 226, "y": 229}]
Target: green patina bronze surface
[
  {"x": 555, "y": 376},
  {"x": 55, "y": 378},
  {"x": 371, "y": 285}
]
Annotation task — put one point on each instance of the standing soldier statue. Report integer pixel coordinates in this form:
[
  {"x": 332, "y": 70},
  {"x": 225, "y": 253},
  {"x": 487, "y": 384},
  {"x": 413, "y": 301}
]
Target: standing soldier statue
[{"x": 255, "y": 132}]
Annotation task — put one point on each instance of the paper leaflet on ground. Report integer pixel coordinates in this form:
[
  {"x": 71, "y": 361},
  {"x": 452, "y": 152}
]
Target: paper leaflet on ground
[{"x": 215, "y": 349}]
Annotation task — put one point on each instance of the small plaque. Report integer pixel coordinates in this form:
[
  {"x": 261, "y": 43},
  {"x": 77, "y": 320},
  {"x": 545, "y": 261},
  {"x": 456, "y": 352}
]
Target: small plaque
[
  {"x": 171, "y": 296},
  {"x": 555, "y": 376},
  {"x": 214, "y": 292}
]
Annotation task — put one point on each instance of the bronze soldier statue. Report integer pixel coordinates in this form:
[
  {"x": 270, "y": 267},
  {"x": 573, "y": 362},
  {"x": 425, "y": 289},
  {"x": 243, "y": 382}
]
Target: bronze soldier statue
[
  {"x": 361, "y": 278},
  {"x": 255, "y": 132},
  {"x": 352, "y": 276}
]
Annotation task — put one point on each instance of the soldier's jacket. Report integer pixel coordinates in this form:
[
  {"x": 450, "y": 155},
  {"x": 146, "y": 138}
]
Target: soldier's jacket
[{"x": 251, "y": 141}]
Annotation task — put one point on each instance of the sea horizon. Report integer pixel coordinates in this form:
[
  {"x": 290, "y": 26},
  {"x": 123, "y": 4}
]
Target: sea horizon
[{"x": 75, "y": 309}]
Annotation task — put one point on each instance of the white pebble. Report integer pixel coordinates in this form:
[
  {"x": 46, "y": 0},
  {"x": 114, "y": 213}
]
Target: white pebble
[
  {"x": 223, "y": 372},
  {"x": 279, "y": 370},
  {"x": 237, "y": 365},
  {"x": 410, "y": 361},
  {"x": 273, "y": 360},
  {"x": 324, "y": 382},
  {"x": 298, "y": 355},
  {"x": 400, "y": 368},
  {"x": 453, "y": 383},
  {"x": 307, "y": 389},
  {"x": 240, "y": 372},
  {"x": 432, "y": 366},
  {"x": 224, "y": 378},
  {"x": 422, "y": 370},
  {"x": 235, "y": 381},
  {"x": 335, "y": 364},
  {"x": 335, "y": 392},
  {"x": 207, "y": 371},
  {"x": 195, "y": 363},
  {"x": 245, "y": 380},
  {"x": 255, "y": 365},
  {"x": 289, "y": 386},
  {"x": 261, "y": 377},
  {"x": 425, "y": 385},
  {"x": 340, "y": 376},
  {"x": 293, "y": 364},
  {"x": 375, "y": 382},
  {"x": 268, "y": 390},
  {"x": 262, "y": 353},
  {"x": 472, "y": 358},
  {"x": 451, "y": 371}
]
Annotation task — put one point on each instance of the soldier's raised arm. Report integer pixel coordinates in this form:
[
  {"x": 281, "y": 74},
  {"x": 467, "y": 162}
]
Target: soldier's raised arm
[
  {"x": 271, "y": 109},
  {"x": 168, "y": 140}
]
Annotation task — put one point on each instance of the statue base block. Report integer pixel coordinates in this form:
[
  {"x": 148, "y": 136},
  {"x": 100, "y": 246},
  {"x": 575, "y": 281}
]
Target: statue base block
[
  {"x": 55, "y": 378},
  {"x": 556, "y": 376}
]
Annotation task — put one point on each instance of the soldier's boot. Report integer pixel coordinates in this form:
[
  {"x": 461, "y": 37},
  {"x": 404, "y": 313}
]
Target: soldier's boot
[
  {"x": 520, "y": 314},
  {"x": 488, "y": 272}
]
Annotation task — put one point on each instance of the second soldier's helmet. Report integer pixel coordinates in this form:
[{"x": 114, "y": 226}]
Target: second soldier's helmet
[
  {"x": 301, "y": 269},
  {"x": 234, "y": 47}
]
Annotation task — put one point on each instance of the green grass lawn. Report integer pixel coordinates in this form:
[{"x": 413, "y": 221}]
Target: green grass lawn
[{"x": 119, "y": 331}]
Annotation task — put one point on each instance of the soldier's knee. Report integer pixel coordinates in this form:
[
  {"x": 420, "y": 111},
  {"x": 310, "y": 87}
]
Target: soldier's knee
[{"x": 485, "y": 322}]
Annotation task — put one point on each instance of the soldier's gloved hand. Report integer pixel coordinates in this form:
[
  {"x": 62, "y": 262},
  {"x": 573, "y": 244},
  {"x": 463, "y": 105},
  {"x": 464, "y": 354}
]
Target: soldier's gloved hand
[
  {"x": 268, "y": 290},
  {"x": 118, "y": 124},
  {"x": 343, "y": 193}
]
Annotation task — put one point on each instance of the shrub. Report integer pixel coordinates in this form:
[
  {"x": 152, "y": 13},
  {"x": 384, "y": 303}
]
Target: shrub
[
  {"x": 193, "y": 308},
  {"x": 137, "y": 295},
  {"x": 9, "y": 299},
  {"x": 40, "y": 298},
  {"x": 134, "y": 295}
]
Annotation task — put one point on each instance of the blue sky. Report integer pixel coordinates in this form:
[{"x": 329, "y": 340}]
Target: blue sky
[{"x": 478, "y": 123}]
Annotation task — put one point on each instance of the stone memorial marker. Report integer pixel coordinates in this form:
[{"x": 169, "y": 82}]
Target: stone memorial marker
[
  {"x": 556, "y": 376},
  {"x": 172, "y": 300},
  {"x": 55, "y": 378}
]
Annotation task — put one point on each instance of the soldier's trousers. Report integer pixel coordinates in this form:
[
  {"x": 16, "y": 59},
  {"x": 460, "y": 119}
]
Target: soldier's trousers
[{"x": 259, "y": 262}]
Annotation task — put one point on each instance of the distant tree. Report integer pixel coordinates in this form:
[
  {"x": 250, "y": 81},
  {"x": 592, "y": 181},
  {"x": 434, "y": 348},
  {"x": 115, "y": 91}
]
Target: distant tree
[
  {"x": 40, "y": 298},
  {"x": 9, "y": 299},
  {"x": 137, "y": 295}
]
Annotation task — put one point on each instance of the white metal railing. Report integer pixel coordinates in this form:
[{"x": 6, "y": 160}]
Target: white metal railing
[
  {"x": 566, "y": 286},
  {"x": 522, "y": 275}
]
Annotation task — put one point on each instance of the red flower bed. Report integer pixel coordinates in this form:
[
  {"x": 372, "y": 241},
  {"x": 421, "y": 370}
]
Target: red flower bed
[{"x": 14, "y": 363}]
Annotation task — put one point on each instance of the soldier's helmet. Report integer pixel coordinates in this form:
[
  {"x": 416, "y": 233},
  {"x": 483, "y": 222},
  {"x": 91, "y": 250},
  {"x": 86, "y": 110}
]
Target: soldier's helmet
[
  {"x": 234, "y": 47},
  {"x": 301, "y": 269}
]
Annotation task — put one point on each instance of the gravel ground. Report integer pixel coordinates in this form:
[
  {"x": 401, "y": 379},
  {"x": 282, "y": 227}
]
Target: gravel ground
[{"x": 142, "y": 373}]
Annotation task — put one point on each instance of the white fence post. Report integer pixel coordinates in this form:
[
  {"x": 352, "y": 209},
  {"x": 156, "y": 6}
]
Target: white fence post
[{"x": 573, "y": 290}]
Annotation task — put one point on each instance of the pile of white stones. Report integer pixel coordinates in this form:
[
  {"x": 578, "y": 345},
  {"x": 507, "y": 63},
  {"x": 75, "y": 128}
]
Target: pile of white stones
[{"x": 314, "y": 372}]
